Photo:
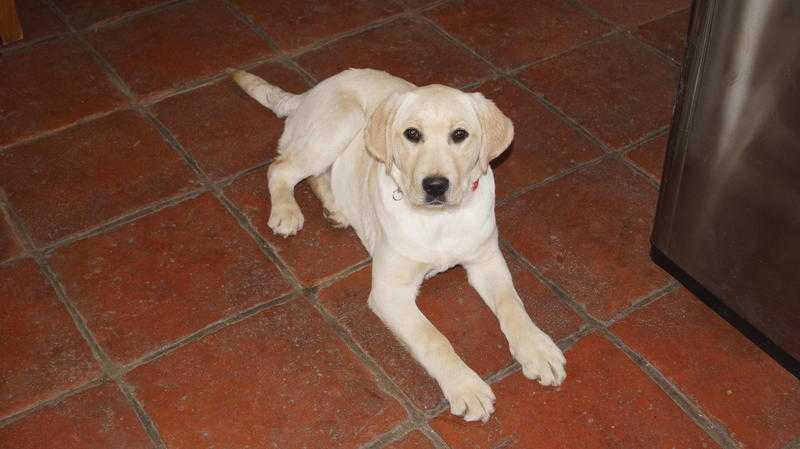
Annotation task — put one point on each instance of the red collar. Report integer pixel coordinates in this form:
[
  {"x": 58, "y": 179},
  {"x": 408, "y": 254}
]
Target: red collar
[{"x": 475, "y": 185}]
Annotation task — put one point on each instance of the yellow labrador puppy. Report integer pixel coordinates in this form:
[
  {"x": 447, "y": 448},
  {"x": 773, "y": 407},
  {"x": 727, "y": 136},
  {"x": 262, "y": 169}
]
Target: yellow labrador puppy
[{"x": 408, "y": 168}]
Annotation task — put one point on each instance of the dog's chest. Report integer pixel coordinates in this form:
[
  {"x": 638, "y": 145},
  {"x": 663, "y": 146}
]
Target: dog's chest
[{"x": 442, "y": 238}]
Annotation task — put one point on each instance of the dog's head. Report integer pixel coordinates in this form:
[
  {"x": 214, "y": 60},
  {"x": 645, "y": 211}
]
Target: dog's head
[{"x": 437, "y": 141}]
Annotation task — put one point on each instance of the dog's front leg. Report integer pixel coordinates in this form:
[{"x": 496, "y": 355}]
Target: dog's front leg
[
  {"x": 539, "y": 357},
  {"x": 395, "y": 281}
]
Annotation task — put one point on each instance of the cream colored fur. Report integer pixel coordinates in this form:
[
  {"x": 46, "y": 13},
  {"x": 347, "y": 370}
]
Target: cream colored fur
[{"x": 346, "y": 136}]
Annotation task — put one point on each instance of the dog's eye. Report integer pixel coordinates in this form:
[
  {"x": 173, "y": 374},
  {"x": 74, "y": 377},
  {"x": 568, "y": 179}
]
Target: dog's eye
[
  {"x": 413, "y": 135},
  {"x": 459, "y": 135}
]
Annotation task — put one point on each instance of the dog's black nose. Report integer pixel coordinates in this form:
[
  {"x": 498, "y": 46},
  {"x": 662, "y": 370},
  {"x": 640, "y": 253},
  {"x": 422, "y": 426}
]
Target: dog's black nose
[{"x": 435, "y": 186}]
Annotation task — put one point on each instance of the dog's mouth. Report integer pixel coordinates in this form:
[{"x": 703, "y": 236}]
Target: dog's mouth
[{"x": 432, "y": 201}]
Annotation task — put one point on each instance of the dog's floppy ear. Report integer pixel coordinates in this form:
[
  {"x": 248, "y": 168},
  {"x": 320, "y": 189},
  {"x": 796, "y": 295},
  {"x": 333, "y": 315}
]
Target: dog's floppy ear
[
  {"x": 497, "y": 129},
  {"x": 378, "y": 135}
]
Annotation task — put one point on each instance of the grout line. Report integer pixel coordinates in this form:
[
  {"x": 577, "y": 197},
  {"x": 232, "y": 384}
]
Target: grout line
[
  {"x": 10, "y": 218},
  {"x": 643, "y": 302},
  {"x": 14, "y": 260},
  {"x": 260, "y": 32},
  {"x": 639, "y": 171},
  {"x": 61, "y": 397},
  {"x": 474, "y": 85},
  {"x": 336, "y": 277},
  {"x": 433, "y": 436},
  {"x": 227, "y": 180},
  {"x": 651, "y": 49},
  {"x": 128, "y": 16},
  {"x": 393, "y": 435},
  {"x": 61, "y": 129},
  {"x": 595, "y": 15},
  {"x": 207, "y": 330},
  {"x": 649, "y": 137},
  {"x": 128, "y": 217},
  {"x": 138, "y": 408},
  {"x": 550, "y": 179},
  {"x": 597, "y": 40},
  {"x": 24, "y": 45}
]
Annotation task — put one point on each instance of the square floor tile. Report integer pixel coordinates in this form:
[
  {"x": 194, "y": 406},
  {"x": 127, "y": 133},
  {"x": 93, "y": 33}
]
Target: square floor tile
[
  {"x": 589, "y": 232},
  {"x": 667, "y": 34},
  {"x": 224, "y": 129},
  {"x": 10, "y": 244},
  {"x": 49, "y": 86},
  {"x": 617, "y": 89},
  {"x": 606, "y": 402},
  {"x": 178, "y": 45},
  {"x": 732, "y": 380},
  {"x": 544, "y": 144},
  {"x": 38, "y": 22},
  {"x": 279, "y": 379},
  {"x": 414, "y": 440},
  {"x": 318, "y": 250},
  {"x": 293, "y": 24},
  {"x": 165, "y": 276},
  {"x": 97, "y": 418},
  {"x": 458, "y": 312},
  {"x": 89, "y": 174},
  {"x": 43, "y": 352},
  {"x": 650, "y": 156},
  {"x": 404, "y": 48},
  {"x": 512, "y": 33},
  {"x": 635, "y": 12},
  {"x": 83, "y": 13}
]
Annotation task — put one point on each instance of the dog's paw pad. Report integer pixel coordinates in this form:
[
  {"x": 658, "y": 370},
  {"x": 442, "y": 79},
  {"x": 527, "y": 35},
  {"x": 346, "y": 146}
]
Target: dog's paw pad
[
  {"x": 470, "y": 397},
  {"x": 541, "y": 360},
  {"x": 285, "y": 220}
]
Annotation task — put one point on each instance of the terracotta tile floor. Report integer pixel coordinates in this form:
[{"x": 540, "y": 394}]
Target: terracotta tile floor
[{"x": 145, "y": 304}]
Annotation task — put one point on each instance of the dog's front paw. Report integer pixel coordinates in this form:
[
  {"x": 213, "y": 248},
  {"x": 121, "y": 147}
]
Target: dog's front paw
[
  {"x": 285, "y": 219},
  {"x": 469, "y": 396},
  {"x": 540, "y": 358}
]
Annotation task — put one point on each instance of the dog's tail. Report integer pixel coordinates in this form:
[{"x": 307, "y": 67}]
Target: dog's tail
[{"x": 282, "y": 103}]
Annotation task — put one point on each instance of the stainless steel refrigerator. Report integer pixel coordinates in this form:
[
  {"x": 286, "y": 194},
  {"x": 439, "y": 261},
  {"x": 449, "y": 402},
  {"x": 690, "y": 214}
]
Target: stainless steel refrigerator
[{"x": 728, "y": 218}]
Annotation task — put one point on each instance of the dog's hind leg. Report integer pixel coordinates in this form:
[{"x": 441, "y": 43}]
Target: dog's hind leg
[
  {"x": 308, "y": 148},
  {"x": 321, "y": 185}
]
